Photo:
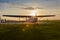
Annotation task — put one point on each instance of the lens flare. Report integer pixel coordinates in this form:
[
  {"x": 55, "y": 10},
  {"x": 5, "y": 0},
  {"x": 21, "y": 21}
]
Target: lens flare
[{"x": 33, "y": 12}]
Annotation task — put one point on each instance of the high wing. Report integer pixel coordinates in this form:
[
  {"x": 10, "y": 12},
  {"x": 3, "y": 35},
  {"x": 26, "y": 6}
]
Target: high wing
[
  {"x": 46, "y": 15},
  {"x": 28, "y": 15},
  {"x": 16, "y": 16}
]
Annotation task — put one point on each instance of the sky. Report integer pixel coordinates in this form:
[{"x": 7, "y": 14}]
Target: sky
[{"x": 13, "y": 7}]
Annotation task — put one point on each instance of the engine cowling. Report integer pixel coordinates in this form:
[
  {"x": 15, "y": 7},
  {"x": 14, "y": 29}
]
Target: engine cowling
[{"x": 32, "y": 19}]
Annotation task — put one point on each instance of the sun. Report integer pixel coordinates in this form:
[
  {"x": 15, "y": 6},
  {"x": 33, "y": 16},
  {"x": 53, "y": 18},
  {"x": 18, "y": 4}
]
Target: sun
[{"x": 33, "y": 12}]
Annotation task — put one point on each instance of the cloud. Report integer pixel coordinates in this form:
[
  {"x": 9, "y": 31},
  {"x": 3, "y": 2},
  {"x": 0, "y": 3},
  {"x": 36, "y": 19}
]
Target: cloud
[{"x": 44, "y": 3}]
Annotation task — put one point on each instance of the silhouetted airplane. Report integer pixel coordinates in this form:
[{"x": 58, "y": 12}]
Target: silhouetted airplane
[{"x": 29, "y": 18}]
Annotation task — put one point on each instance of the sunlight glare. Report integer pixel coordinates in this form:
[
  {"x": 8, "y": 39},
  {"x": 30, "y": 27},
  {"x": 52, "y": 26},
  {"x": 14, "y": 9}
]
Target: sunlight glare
[{"x": 33, "y": 12}]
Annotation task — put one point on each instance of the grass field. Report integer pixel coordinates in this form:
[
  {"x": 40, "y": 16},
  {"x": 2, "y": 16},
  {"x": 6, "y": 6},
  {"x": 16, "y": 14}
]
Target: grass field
[{"x": 48, "y": 31}]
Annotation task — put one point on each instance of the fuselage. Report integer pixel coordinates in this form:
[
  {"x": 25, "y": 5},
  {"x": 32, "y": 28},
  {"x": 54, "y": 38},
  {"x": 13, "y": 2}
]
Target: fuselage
[{"x": 32, "y": 19}]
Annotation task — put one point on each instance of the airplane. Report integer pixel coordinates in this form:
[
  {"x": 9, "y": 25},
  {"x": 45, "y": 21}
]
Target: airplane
[{"x": 29, "y": 18}]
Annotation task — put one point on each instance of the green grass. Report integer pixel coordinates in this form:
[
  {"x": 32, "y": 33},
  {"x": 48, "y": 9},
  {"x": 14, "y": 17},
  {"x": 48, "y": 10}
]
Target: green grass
[{"x": 48, "y": 31}]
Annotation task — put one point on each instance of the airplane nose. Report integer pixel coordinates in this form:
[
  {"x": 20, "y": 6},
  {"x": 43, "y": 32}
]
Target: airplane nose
[{"x": 32, "y": 20}]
